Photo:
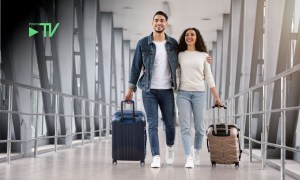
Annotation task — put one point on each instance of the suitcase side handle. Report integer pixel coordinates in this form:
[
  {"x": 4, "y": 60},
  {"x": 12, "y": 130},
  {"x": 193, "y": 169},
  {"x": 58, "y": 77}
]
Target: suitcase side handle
[{"x": 127, "y": 102}]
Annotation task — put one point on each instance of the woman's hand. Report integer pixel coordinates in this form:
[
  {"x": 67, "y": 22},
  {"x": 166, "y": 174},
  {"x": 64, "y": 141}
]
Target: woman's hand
[{"x": 218, "y": 102}]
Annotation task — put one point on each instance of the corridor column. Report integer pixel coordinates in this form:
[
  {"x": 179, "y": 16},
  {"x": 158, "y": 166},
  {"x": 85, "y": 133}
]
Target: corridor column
[
  {"x": 89, "y": 27},
  {"x": 64, "y": 39}
]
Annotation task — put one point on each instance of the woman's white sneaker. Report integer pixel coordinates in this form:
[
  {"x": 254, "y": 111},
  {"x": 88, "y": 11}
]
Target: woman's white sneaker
[
  {"x": 196, "y": 157},
  {"x": 189, "y": 162}
]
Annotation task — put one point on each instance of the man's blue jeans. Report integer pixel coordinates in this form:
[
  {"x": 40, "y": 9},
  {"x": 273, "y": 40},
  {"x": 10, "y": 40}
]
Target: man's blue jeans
[{"x": 164, "y": 98}]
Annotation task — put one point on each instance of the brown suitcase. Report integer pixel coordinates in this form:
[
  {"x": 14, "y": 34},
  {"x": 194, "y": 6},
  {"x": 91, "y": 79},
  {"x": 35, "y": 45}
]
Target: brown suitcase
[{"x": 223, "y": 142}]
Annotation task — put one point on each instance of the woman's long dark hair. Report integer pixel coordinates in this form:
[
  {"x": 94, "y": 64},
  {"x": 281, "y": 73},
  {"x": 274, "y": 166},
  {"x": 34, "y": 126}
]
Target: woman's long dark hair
[{"x": 200, "y": 45}]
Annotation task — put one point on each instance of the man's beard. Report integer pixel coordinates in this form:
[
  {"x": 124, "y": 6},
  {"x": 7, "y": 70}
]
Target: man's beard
[{"x": 159, "y": 31}]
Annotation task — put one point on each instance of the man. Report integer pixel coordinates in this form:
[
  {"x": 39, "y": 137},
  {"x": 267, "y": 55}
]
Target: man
[{"x": 156, "y": 54}]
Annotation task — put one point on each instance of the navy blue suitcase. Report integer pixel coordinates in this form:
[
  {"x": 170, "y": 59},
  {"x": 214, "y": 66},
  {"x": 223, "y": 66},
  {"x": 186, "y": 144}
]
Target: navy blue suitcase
[{"x": 128, "y": 135}]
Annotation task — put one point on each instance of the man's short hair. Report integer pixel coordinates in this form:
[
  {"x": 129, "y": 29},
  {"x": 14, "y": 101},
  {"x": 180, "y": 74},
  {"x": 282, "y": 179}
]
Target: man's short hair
[{"x": 162, "y": 14}]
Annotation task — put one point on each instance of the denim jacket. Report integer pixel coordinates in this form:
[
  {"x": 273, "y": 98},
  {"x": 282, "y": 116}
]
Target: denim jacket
[{"x": 144, "y": 57}]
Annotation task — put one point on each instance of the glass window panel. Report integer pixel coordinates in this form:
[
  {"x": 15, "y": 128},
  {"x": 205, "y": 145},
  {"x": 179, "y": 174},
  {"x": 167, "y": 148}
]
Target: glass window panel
[
  {"x": 76, "y": 43},
  {"x": 47, "y": 46},
  {"x": 296, "y": 16},
  {"x": 77, "y": 64}
]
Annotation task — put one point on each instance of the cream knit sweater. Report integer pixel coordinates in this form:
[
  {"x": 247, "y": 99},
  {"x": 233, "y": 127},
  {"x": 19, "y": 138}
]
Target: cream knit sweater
[{"x": 194, "y": 70}]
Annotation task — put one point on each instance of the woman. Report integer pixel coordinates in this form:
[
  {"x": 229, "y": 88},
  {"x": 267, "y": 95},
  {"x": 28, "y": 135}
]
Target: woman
[{"x": 191, "y": 97}]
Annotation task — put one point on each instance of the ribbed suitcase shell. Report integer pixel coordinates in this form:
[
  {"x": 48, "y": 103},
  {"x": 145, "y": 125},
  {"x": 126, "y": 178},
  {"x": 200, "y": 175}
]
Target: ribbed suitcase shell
[
  {"x": 224, "y": 148},
  {"x": 129, "y": 136}
]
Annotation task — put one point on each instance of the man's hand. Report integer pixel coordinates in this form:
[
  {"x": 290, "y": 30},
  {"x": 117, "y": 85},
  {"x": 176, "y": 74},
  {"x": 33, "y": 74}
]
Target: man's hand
[
  {"x": 208, "y": 59},
  {"x": 129, "y": 94}
]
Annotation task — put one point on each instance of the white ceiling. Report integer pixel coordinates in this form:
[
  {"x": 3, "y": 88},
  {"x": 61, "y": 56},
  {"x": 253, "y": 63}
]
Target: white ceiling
[{"x": 135, "y": 17}]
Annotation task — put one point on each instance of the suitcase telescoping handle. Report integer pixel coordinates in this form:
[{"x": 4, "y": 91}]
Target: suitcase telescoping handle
[
  {"x": 127, "y": 102},
  {"x": 214, "y": 118}
]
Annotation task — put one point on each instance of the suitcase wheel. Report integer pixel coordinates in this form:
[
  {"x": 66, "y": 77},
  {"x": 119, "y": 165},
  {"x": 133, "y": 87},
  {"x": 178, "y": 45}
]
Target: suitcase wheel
[
  {"x": 213, "y": 164},
  {"x": 142, "y": 163},
  {"x": 237, "y": 164},
  {"x": 114, "y": 162}
]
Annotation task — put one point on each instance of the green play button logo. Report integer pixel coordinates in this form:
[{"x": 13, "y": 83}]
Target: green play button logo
[
  {"x": 47, "y": 31},
  {"x": 32, "y": 32}
]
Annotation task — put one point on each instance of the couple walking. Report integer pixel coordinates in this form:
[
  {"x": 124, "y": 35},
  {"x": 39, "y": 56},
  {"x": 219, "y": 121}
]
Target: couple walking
[{"x": 159, "y": 55}]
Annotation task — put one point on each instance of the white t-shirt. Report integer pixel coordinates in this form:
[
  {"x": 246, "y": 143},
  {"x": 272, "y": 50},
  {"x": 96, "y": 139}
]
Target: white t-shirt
[
  {"x": 194, "y": 71},
  {"x": 161, "y": 74}
]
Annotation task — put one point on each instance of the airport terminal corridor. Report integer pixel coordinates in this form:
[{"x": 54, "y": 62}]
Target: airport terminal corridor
[
  {"x": 93, "y": 161},
  {"x": 67, "y": 65}
]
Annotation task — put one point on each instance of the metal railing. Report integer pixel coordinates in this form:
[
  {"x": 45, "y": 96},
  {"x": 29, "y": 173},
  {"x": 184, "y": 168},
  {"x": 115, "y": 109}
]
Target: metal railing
[
  {"x": 265, "y": 113},
  {"x": 58, "y": 95}
]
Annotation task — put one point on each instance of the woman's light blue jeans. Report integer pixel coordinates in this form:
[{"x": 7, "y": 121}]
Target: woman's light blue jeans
[{"x": 191, "y": 107}]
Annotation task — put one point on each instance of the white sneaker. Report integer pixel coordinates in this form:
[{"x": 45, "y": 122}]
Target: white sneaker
[
  {"x": 196, "y": 156},
  {"x": 169, "y": 155},
  {"x": 189, "y": 162},
  {"x": 156, "y": 162}
]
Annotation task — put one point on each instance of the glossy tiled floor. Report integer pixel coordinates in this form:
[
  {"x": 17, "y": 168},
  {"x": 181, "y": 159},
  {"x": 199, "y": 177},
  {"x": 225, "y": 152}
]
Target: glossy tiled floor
[{"x": 93, "y": 162}]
